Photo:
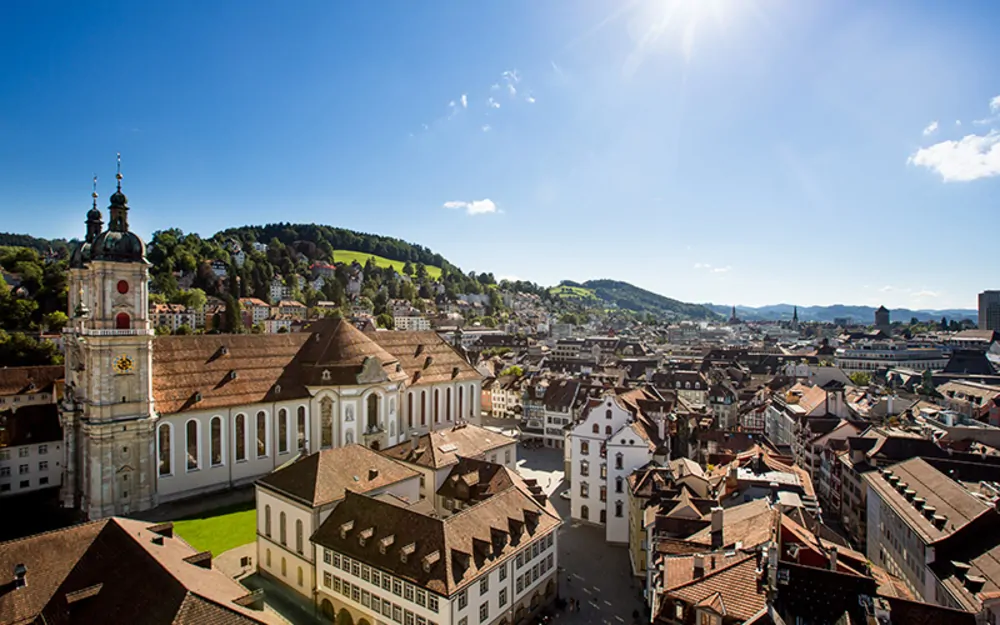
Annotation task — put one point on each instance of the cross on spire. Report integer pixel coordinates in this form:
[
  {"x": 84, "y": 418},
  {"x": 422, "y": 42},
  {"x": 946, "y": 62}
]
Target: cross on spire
[{"x": 119, "y": 174}]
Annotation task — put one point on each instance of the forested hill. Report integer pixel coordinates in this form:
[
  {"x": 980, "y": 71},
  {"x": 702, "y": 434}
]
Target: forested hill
[
  {"x": 629, "y": 297},
  {"x": 327, "y": 238},
  {"x": 60, "y": 247}
]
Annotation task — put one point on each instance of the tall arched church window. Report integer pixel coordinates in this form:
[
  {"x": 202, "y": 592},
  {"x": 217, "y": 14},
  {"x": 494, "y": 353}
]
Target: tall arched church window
[
  {"x": 373, "y": 408},
  {"x": 301, "y": 428},
  {"x": 326, "y": 422},
  {"x": 215, "y": 445},
  {"x": 240, "y": 437},
  {"x": 163, "y": 448},
  {"x": 282, "y": 431},
  {"x": 261, "y": 434},
  {"x": 191, "y": 436}
]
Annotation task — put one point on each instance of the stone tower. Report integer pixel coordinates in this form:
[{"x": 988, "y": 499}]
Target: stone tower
[{"x": 107, "y": 414}]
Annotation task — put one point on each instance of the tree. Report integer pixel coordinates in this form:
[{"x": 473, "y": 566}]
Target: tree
[
  {"x": 421, "y": 272},
  {"x": 408, "y": 268},
  {"x": 183, "y": 329},
  {"x": 233, "y": 321},
  {"x": 365, "y": 304},
  {"x": 861, "y": 378},
  {"x": 514, "y": 370},
  {"x": 194, "y": 299},
  {"x": 20, "y": 350},
  {"x": 55, "y": 321},
  {"x": 385, "y": 321}
]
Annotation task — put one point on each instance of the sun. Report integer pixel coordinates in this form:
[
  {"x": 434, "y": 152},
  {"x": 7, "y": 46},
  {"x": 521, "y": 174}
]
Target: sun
[{"x": 658, "y": 23}]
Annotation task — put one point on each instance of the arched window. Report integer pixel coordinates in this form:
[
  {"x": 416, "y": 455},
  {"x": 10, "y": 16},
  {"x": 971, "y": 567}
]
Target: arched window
[
  {"x": 437, "y": 406},
  {"x": 215, "y": 444},
  {"x": 163, "y": 448},
  {"x": 619, "y": 484},
  {"x": 608, "y": 413},
  {"x": 326, "y": 422},
  {"x": 584, "y": 448},
  {"x": 409, "y": 410},
  {"x": 392, "y": 407},
  {"x": 298, "y": 535},
  {"x": 618, "y": 509},
  {"x": 267, "y": 520},
  {"x": 619, "y": 460},
  {"x": 373, "y": 407},
  {"x": 447, "y": 404},
  {"x": 282, "y": 529},
  {"x": 584, "y": 468},
  {"x": 597, "y": 429},
  {"x": 423, "y": 407},
  {"x": 459, "y": 412},
  {"x": 123, "y": 321},
  {"x": 349, "y": 437},
  {"x": 240, "y": 436},
  {"x": 301, "y": 432},
  {"x": 585, "y": 513},
  {"x": 261, "y": 434},
  {"x": 191, "y": 443},
  {"x": 472, "y": 400},
  {"x": 282, "y": 431},
  {"x": 607, "y": 430}
]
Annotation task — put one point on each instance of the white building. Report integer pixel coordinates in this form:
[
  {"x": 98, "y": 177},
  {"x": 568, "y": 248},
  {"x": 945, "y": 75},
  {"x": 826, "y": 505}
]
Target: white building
[
  {"x": 258, "y": 309},
  {"x": 172, "y": 316},
  {"x": 294, "y": 501},
  {"x": 418, "y": 322},
  {"x": 30, "y": 448},
  {"x": 618, "y": 434},
  {"x": 494, "y": 562},
  {"x": 278, "y": 291},
  {"x": 873, "y": 355}
]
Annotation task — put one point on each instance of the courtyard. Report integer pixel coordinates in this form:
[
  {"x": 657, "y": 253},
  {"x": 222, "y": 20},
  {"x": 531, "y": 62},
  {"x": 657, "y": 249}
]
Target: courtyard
[{"x": 596, "y": 574}]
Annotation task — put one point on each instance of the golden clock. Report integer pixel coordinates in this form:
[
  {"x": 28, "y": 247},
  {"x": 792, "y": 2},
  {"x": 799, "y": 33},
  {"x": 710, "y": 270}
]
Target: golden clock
[{"x": 124, "y": 364}]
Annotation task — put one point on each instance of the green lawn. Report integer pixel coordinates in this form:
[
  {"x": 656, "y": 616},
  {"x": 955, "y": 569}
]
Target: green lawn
[
  {"x": 340, "y": 256},
  {"x": 221, "y": 529},
  {"x": 572, "y": 292}
]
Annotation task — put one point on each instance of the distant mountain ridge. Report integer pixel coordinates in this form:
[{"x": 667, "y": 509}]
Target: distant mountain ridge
[{"x": 827, "y": 314}]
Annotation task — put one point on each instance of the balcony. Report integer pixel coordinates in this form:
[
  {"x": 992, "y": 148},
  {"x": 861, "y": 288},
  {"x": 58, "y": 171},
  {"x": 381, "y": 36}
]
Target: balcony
[{"x": 129, "y": 332}]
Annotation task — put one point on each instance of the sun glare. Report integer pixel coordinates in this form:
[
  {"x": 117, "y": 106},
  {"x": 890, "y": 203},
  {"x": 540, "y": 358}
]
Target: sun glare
[{"x": 660, "y": 24}]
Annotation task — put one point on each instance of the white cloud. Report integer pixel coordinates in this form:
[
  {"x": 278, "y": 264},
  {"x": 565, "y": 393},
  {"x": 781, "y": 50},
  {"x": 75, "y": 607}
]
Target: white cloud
[
  {"x": 970, "y": 158},
  {"x": 475, "y": 207},
  {"x": 926, "y": 294},
  {"x": 511, "y": 89},
  {"x": 886, "y": 289},
  {"x": 702, "y": 266},
  {"x": 487, "y": 128},
  {"x": 530, "y": 99},
  {"x": 493, "y": 103},
  {"x": 451, "y": 104},
  {"x": 465, "y": 101},
  {"x": 495, "y": 87},
  {"x": 958, "y": 122},
  {"x": 933, "y": 126},
  {"x": 515, "y": 77},
  {"x": 995, "y": 104},
  {"x": 709, "y": 268},
  {"x": 721, "y": 269}
]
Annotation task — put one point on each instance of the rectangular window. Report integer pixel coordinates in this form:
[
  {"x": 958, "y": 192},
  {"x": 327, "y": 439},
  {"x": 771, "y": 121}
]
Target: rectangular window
[
  {"x": 386, "y": 583},
  {"x": 23, "y": 469},
  {"x": 463, "y": 598},
  {"x": 502, "y": 601},
  {"x": 386, "y": 608},
  {"x": 366, "y": 597},
  {"x": 432, "y": 603},
  {"x": 25, "y": 484},
  {"x": 520, "y": 560},
  {"x": 336, "y": 584},
  {"x": 421, "y": 620},
  {"x": 421, "y": 597},
  {"x": 397, "y": 613},
  {"x": 4, "y": 453},
  {"x": 327, "y": 579},
  {"x": 4, "y": 488},
  {"x": 44, "y": 480},
  {"x": 548, "y": 540},
  {"x": 551, "y": 560},
  {"x": 484, "y": 585},
  {"x": 376, "y": 577},
  {"x": 534, "y": 572},
  {"x": 408, "y": 592},
  {"x": 4, "y": 471},
  {"x": 347, "y": 564},
  {"x": 407, "y": 618},
  {"x": 355, "y": 593},
  {"x": 484, "y": 612},
  {"x": 345, "y": 588},
  {"x": 336, "y": 560},
  {"x": 23, "y": 452},
  {"x": 43, "y": 465},
  {"x": 327, "y": 556},
  {"x": 503, "y": 571},
  {"x": 43, "y": 449},
  {"x": 397, "y": 587},
  {"x": 366, "y": 573},
  {"x": 355, "y": 568},
  {"x": 534, "y": 550},
  {"x": 520, "y": 584}
]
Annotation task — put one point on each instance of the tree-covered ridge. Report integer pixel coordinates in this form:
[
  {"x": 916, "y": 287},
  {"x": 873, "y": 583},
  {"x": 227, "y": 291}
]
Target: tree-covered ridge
[
  {"x": 60, "y": 247},
  {"x": 32, "y": 302},
  {"x": 630, "y": 297}
]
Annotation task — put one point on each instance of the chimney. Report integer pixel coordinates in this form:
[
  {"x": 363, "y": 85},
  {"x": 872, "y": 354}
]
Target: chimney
[
  {"x": 717, "y": 522},
  {"x": 414, "y": 439},
  {"x": 699, "y": 566},
  {"x": 20, "y": 576}
]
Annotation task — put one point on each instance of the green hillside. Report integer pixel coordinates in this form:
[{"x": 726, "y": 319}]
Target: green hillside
[
  {"x": 569, "y": 291},
  {"x": 341, "y": 256}
]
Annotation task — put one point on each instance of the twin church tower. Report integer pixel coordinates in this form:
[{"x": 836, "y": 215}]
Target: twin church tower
[{"x": 107, "y": 411}]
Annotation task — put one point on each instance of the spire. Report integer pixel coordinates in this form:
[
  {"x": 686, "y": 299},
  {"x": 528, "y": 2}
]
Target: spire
[
  {"x": 795, "y": 314},
  {"x": 95, "y": 221},
  {"x": 119, "y": 204}
]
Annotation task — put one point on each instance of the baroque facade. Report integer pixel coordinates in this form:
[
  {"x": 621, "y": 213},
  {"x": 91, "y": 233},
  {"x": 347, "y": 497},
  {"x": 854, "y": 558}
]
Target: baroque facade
[{"x": 150, "y": 419}]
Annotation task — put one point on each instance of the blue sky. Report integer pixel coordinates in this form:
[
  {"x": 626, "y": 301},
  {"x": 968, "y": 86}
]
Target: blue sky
[{"x": 744, "y": 151}]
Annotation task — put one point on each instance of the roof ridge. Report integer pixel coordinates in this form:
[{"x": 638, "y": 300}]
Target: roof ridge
[{"x": 56, "y": 530}]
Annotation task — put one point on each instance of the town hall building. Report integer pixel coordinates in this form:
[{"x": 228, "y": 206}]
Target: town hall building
[{"x": 150, "y": 419}]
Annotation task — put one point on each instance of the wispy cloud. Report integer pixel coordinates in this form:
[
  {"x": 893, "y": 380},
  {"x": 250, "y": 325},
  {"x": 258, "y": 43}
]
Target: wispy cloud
[
  {"x": 558, "y": 70},
  {"x": 958, "y": 122},
  {"x": 721, "y": 269},
  {"x": 887, "y": 288},
  {"x": 465, "y": 101},
  {"x": 926, "y": 294},
  {"x": 931, "y": 128},
  {"x": 493, "y": 104},
  {"x": 712, "y": 269},
  {"x": 487, "y": 128},
  {"x": 970, "y": 158},
  {"x": 475, "y": 207},
  {"x": 530, "y": 99}
]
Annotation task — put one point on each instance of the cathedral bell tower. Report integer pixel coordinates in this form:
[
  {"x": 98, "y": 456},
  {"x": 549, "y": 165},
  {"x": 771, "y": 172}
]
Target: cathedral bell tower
[{"x": 107, "y": 414}]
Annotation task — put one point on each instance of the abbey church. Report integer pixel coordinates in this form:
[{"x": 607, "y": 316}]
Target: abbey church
[{"x": 151, "y": 419}]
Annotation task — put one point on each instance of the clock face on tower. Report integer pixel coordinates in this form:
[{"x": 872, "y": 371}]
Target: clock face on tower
[{"x": 124, "y": 364}]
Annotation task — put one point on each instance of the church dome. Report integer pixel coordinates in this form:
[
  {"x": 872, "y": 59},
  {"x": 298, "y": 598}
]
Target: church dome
[
  {"x": 80, "y": 256},
  {"x": 118, "y": 198},
  {"x": 117, "y": 245}
]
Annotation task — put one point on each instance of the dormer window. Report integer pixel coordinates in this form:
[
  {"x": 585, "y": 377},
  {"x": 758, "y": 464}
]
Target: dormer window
[{"x": 326, "y": 375}]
